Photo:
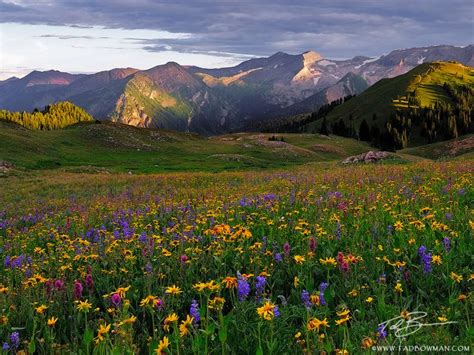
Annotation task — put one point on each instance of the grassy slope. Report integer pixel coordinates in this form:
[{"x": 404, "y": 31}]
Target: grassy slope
[
  {"x": 118, "y": 147},
  {"x": 426, "y": 78}
]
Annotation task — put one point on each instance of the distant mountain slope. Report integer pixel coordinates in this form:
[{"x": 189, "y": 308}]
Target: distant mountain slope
[
  {"x": 213, "y": 101},
  {"x": 36, "y": 89},
  {"x": 351, "y": 84}
]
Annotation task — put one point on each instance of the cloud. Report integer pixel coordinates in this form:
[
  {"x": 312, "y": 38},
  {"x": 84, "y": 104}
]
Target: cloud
[
  {"x": 68, "y": 37},
  {"x": 241, "y": 28}
]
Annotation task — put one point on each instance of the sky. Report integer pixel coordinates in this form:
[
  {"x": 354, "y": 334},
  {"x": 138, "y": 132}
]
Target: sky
[{"x": 84, "y": 36}]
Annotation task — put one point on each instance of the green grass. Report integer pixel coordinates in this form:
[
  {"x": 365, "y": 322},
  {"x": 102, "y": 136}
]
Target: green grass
[{"x": 116, "y": 147}]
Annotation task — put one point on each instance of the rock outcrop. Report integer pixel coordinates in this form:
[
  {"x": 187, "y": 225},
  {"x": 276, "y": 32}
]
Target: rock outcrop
[{"x": 369, "y": 157}]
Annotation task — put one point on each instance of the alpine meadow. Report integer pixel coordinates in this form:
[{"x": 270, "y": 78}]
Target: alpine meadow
[{"x": 192, "y": 178}]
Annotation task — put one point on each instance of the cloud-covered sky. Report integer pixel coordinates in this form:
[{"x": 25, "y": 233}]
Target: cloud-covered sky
[{"x": 92, "y": 35}]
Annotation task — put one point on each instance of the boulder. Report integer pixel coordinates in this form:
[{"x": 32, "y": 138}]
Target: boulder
[{"x": 369, "y": 157}]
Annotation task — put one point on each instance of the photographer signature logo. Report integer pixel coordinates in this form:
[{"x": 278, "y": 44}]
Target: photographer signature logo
[{"x": 408, "y": 324}]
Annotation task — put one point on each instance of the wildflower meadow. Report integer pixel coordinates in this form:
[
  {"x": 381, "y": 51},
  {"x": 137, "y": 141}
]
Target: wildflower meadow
[{"x": 309, "y": 260}]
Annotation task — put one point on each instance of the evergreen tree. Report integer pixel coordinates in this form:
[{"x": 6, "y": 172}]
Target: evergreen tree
[
  {"x": 364, "y": 131},
  {"x": 324, "y": 128}
]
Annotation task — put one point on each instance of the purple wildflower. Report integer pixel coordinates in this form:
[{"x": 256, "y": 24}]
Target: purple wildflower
[
  {"x": 322, "y": 288},
  {"x": 194, "y": 311},
  {"x": 17, "y": 262},
  {"x": 305, "y": 298},
  {"x": 15, "y": 339},
  {"x": 260, "y": 284},
  {"x": 89, "y": 281},
  {"x": 447, "y": 244},
  {"x": 58, "y": 284},
  {"x": 287, "y": 249},
  {"x": 148, "y": 268},
  {"x": 421, "y": 251},
  {"x": 116, "y": 300},
  {"x": 381, "y": 332},
  {"x": 183, "y": 259},
  {"x": 142, "y": 237},
  {"x": 5, "y": 346},
  {"x": 278, "y": 258},
  {"x": 276, "y": 311},
  {"x": 426, "y": 259},
  {"x": 243, "y": 288},
  {"x": 78, "y": 288}
]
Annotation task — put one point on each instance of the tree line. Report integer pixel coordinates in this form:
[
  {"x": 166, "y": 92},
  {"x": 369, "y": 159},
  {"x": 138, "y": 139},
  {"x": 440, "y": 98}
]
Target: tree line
[
  {"x": 55, "y": 116},
  {"x": 299, "y": 123}
]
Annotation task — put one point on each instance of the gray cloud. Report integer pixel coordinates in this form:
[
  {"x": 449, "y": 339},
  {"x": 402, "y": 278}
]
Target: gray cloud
[
  {"x": 335, "y": 28},
  {"x": 68, "y": 37}
]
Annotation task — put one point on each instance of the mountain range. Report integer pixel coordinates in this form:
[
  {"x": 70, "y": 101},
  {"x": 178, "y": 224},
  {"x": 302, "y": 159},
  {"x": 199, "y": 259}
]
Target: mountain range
[{"x": 212, "y": 101}]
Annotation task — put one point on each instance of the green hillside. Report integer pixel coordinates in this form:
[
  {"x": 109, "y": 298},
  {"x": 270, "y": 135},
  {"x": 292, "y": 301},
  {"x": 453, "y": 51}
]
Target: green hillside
[
  {"x": 118, "y": 147},
  {"x": 388, "y": 94},
  {"x": 432, "y": 102}
]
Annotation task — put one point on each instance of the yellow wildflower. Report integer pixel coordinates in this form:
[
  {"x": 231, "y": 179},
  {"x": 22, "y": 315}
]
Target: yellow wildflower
[
  {"x": 168, "y": 320},
  {"x": 367, "y": 343},
  {"x": 173, "y": 290},
  {"x": 185, "y": 325},
  {"x": 230, "y": 282},
  {"x": 353, "y": 293},
  {"x": 84, "y": 306},
  {"x": 457, "y": 278},
  {"x": 266, "y": 311},
  {"x": 436, "y": 259},
  {"x": 149, "y": 300},
  {"x": 102, "y": 331},
  {"x": 41, "y": 309},
  {"x": 296, "y": 281},
  {"x": 398, "y": 287},
  {"x": 52, "y": 321},
  {"x": 398, "y": 226},
  {"x": 129, "y": 320},
  {"x": 328, "y": 261},
  {"x": 316, "y": 324},
  {"x": 164, "y": 344},
  {"x": 299, "y": 259},
  {"x": 216, "y": 303}
]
